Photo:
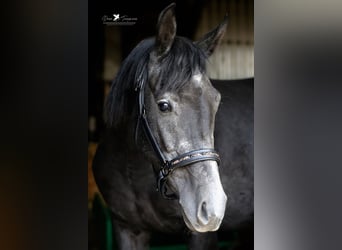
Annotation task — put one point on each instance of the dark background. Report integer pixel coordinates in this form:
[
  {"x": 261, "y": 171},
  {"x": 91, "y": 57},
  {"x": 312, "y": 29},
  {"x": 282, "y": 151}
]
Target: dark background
[{"x": 297, "y": 125}]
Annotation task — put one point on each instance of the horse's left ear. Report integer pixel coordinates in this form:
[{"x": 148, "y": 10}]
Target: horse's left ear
[
  {"x": 211, "y": 40},
  {"x": 166, "y": 30}
]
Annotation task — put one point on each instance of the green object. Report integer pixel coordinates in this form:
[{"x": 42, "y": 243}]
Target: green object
[{"x": 102, "y": 224}]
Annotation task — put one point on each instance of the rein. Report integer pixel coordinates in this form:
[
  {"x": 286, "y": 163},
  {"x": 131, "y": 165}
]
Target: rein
[{"x": 167, "y": 166}]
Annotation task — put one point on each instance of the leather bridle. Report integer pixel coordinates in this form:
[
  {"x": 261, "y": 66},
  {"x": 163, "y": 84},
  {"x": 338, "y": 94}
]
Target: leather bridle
[{"x": 167, "y": 166}]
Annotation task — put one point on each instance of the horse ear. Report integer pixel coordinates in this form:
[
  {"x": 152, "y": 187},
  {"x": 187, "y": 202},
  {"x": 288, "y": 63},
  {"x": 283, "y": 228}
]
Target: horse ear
[
  {"x": 212, "y": 39},
  {"x": 166, "y": 30}
]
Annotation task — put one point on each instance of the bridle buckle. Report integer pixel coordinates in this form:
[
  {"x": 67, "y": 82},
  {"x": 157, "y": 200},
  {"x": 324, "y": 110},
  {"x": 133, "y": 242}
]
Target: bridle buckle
[{"x": 166, "y": 169}]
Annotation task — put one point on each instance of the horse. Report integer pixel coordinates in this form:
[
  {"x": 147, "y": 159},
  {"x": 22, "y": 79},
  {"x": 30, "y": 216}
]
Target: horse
[{"x": 171, "y": 129}]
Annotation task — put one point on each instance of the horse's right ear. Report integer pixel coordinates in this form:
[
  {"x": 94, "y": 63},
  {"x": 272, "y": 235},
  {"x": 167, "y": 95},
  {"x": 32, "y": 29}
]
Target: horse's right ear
[{"x": 166, "y": 30}]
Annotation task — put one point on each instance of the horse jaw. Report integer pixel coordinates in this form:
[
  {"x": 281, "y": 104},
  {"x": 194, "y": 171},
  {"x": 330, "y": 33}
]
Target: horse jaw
[{"x": 202, "y": 198}]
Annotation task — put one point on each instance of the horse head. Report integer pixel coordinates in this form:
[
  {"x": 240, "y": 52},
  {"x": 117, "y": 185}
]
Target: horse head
[{"x": 178, "y": 105}]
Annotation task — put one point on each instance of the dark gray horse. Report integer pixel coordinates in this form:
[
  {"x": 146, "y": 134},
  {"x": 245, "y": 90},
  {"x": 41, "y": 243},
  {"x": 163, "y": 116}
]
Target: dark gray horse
[{"x": 161, "y": 113}]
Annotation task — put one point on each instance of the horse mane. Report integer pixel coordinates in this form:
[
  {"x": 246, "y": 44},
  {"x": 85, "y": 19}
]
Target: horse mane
[{"x": 176, "y": 69}]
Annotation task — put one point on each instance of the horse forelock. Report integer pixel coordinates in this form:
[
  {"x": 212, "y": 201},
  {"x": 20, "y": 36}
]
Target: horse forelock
[{"x": 180, "y": 64}]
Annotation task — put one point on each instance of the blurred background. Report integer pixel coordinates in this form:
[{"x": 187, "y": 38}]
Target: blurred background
[{"x": 110, "y": 43}]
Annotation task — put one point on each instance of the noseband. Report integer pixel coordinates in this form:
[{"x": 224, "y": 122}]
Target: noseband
[{"x": 167, "y": 166}]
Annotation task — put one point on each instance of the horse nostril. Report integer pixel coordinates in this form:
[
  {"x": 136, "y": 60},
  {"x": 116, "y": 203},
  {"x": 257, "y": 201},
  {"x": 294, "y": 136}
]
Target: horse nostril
[{"x": 203, "y": 213}]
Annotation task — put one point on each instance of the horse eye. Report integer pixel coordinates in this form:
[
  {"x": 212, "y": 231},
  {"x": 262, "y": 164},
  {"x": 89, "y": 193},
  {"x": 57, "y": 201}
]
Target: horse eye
[{"x": 164, "y": 106}]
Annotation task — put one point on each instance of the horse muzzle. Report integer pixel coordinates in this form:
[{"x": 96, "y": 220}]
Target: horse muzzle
[{"x": 203, "y": 202}]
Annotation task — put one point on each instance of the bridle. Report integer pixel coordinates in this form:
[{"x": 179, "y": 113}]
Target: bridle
[{"x": 167, "y": 166}]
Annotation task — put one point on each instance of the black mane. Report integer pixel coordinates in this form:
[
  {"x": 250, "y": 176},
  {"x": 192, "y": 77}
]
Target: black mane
[{"x": 183, "y": 59}]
